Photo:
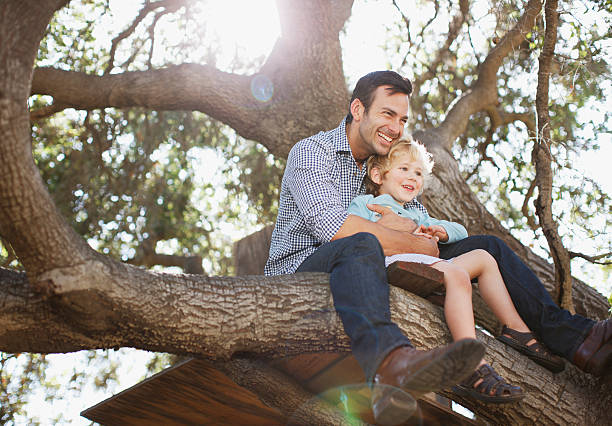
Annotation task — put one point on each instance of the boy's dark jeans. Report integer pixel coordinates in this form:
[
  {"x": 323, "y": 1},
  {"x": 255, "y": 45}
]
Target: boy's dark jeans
[{"x": 358, "y": 282}]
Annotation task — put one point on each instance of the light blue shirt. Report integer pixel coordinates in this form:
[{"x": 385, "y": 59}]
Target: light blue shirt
[{"x": 358, "y": 207}]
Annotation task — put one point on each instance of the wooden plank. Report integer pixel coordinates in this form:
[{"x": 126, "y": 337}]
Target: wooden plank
[
  {"x": 417, "y": 278},
  {"x": 191, "y": 392},
  {"x": 306, "y": 366}
]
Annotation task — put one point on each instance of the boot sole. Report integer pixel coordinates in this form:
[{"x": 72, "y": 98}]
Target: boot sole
[{"x": 448, "y": 369}]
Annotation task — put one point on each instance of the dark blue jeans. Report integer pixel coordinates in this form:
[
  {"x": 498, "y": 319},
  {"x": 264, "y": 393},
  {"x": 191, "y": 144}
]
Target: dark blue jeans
[
  {"x": 557, "y": 328},
  {"x": 358, "y": 282}
]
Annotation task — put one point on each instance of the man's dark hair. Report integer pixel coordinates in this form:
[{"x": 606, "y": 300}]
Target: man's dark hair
[{"x": 365, "y": 87}]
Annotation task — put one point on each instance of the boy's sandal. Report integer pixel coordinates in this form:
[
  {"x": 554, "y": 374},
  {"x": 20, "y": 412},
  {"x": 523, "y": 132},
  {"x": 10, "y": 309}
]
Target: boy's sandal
[
  {"x": 536, "y": 351},
  {"x": 493, "y": 389}
]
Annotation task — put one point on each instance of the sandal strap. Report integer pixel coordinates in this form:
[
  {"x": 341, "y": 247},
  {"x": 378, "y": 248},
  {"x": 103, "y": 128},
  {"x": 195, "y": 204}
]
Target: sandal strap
[
  {"x": 519, "y": 336},
  {"x": 492, "y": 383},
  {"x": 523, "y": 338}
]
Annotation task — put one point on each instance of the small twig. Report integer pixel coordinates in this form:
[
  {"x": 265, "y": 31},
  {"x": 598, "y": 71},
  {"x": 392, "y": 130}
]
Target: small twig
[
  {"x": 592, "y": 259},
  {"x": 47, "y": 111}
]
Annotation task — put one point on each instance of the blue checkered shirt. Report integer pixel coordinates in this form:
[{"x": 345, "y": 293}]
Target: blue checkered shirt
[{"x": 321, "y": 178}]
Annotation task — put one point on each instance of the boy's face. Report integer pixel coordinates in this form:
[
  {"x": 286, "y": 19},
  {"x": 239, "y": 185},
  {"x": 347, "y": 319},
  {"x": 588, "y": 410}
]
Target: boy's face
[{"x": 403, "y": 181}]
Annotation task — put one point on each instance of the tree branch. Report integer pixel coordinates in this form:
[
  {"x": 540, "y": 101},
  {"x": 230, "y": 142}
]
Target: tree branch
[
  {"x": 525, "y": 207},
  {"x": 276, "y": 389},
  {"x": 592, "y": 259},
  {"x": 169, "y": 5},
  {"x": 442, "y": 53},
  {"x": 47, "y": 111},
  {"x": 484, "y": 90},
  {"x": 542, "y": 158},
  {"x": 189, "y": 264}
]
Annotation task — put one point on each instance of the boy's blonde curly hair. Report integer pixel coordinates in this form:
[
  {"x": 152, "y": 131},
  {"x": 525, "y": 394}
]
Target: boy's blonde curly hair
[{"x": 415, "y": 149}]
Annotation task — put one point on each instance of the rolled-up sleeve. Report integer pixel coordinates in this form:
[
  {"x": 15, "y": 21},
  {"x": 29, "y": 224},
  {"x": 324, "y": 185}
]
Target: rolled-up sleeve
[{"x": 316, "y": 195}]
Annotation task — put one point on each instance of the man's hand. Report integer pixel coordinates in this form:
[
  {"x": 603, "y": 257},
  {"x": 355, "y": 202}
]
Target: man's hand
[
  {"x": 391, "y": 220},
  {"x": 427, "y": 245},
  {"x": 436, "y": 231},
  {"x": 391, "y": 240}
]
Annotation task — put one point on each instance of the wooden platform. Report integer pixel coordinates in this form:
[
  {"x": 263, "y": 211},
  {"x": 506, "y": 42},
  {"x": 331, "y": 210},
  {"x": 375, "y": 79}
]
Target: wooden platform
[
  {"x": 189, "y": 393},
  {"x": 417, "y": 278},
  {"x": 193, "y": 392}
]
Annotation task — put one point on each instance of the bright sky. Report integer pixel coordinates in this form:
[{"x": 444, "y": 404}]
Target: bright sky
[{"x": 251, "y": 28}]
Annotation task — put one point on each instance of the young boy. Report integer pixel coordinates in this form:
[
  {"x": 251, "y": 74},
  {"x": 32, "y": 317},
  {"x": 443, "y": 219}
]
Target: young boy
[{"x": 394, "y": 181}]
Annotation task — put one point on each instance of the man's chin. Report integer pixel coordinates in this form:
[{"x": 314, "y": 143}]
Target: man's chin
[{"x": 383, "y": 148}]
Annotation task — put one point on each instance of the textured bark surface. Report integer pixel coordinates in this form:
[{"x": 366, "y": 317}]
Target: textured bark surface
[{"x": 184, "y": 314}]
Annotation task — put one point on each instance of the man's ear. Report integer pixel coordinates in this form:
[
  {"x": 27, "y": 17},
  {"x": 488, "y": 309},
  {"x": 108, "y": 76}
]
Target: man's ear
[
  {"x": 376, "y": 175},
  {"x": 357, "y": 109}
]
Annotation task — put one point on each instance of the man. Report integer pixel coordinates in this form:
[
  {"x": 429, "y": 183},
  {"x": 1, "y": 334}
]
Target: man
[{"x": 314, "y": 233}]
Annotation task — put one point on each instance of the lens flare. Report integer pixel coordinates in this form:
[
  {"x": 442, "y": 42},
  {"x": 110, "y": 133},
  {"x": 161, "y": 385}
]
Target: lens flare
[
  {"x": 350, "y": 405},
  {"x": 262, "y": 88}
]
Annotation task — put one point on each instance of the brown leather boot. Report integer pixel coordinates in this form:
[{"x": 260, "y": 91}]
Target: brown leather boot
[
  {"x": 407, "y": 373},
  {"x": 595, "y": 354}
]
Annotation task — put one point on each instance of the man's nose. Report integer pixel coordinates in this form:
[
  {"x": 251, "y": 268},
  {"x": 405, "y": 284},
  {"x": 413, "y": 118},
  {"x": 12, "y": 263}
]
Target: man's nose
[{"x": 396, "y": 127}]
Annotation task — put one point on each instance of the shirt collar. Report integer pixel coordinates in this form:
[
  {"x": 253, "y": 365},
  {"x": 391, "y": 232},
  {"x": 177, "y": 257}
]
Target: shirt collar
[{"x": 340, "y": 139}]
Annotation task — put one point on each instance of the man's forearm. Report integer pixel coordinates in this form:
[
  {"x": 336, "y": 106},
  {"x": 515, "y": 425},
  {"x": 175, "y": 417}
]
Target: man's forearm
[{"x": 392, "y": 241}]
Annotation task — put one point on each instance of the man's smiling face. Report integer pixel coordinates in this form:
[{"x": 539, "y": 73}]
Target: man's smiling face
[{"x": 382, "y": 124}]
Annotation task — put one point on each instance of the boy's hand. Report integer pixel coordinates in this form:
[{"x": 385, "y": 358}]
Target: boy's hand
[
  {"x": 391, "y": 220},
  {"x": 419, "y": 232},
  {"x": 436, "y": 231}
]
